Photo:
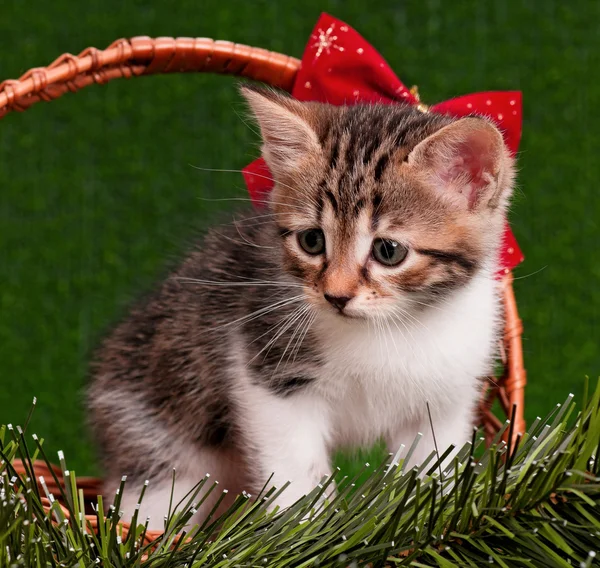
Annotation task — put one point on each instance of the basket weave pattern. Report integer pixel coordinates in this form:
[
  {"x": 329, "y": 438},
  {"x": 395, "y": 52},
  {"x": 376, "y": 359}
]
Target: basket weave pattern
[{"x": 145, "y": 56}]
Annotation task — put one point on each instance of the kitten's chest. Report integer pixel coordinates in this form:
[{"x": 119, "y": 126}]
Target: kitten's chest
[
  {"x": 382, "y": 375},
  {"x": 386, "y": 371}
]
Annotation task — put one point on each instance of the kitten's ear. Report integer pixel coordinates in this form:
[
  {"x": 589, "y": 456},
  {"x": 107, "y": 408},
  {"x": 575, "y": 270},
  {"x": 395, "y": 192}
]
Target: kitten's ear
[
  {"x": 467, "y": 162},
  {"x": 289, "y": 140}
]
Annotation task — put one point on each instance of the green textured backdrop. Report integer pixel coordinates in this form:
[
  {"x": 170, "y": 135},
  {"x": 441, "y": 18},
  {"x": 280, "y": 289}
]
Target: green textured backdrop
[{"x": 97, "y": 192}]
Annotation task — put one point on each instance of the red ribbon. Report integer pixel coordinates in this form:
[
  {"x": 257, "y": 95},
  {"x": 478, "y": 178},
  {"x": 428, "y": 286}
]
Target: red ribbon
[{"x": 340, "y": 67}]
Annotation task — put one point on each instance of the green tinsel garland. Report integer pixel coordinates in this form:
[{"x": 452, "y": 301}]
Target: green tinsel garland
[{"x": 534, "y": 505}]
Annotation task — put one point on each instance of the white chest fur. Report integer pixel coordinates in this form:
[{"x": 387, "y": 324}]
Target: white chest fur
[{"x": 379, "y": 377}]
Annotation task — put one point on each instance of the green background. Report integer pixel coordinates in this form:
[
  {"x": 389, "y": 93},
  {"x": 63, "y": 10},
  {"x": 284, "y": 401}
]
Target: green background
[{"x": 97, "y": 192}]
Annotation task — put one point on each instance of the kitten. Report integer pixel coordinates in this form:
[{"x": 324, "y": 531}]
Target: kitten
[{"x": 363, "y": 292}]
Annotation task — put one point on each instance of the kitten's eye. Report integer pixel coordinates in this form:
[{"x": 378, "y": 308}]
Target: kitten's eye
[
  {"x": 312, "y": 241},
  {"x": 388, "y": 252}
]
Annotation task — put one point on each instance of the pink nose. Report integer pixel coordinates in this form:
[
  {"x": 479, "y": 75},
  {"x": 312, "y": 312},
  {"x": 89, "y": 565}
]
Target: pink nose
[{"x": 338, "y": 302}]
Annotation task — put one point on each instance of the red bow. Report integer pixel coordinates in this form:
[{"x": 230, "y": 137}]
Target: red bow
[{"x": 340, "y": 67}]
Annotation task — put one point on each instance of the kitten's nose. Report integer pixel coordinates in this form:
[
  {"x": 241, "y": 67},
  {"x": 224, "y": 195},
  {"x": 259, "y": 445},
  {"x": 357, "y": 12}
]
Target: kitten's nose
[{"x": 338, "y": 302}]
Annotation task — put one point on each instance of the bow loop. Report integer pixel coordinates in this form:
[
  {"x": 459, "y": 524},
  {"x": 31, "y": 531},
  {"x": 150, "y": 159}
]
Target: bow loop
[{"x": 501, "y": 107}]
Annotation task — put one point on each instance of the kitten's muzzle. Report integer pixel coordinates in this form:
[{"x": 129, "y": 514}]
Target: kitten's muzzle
[{"x": 338, "y": 302}]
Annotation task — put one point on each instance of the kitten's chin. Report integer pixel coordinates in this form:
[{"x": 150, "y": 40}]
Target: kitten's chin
[
  {"x": 348, "y": 314},
  {"x": 334, "y": 314}
]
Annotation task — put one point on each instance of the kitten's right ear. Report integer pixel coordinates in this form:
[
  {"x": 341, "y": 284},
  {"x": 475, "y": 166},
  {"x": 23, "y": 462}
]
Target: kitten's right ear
[
  {"x": 467, "y": 162},
  {"x": 289, "y": 141}
]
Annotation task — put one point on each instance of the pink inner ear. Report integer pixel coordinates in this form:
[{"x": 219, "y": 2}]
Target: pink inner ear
[{"x": 468, "y": 167}]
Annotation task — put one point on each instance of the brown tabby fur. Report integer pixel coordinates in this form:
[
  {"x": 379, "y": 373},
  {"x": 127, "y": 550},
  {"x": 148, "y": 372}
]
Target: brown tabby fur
[{"x": 162, "y": 381}]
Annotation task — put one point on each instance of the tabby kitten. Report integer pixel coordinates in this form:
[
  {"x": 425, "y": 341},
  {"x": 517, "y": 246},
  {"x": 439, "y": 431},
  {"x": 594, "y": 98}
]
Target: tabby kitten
[{"x": 363, "y": 294}]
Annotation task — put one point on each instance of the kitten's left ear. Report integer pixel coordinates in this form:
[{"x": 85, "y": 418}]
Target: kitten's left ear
[
  {"x": 467, "y": 162},
  {"x": 289, "y": 140}
]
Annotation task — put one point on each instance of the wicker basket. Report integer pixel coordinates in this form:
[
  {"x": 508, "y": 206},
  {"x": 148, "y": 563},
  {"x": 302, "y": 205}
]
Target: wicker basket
[{"x": 146, "y": 56}]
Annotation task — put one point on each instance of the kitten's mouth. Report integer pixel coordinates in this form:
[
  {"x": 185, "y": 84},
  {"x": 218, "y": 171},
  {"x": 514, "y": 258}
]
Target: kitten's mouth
[{"x": 345, "y": 314}]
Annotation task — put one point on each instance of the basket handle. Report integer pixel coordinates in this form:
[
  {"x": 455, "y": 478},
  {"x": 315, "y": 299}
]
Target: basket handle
[
  {"x": 146, "y": 56},
  {"x": 515, "y": 377}
]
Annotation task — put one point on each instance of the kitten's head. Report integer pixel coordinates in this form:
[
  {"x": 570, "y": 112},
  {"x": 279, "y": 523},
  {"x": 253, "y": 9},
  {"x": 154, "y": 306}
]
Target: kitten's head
[{"x": 382, "y": 207}]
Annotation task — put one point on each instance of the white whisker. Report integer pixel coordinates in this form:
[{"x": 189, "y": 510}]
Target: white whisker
[
  {"x": 282, "y": 329},
  {"x": 260, "y": 312},
  {"x": 275, "y": 326},
  {"x": 304, "y": 196},
  {"x": 406, "y": 314},
  {"x": 310, "y": 321},
  {"x": 531, "y": 274},
  {"x": 247, "y": 241},
  {"x": 262, "y": 202},
  {"x": 229, "y": 283},
  {"x": 298, "y": 316}
]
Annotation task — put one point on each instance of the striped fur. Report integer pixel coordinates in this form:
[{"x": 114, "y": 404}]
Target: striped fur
[{"x": 254, "y": 357}]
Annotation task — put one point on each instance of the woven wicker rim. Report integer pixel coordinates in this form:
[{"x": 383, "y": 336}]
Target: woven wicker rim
[{"x": 146, "y": 56}]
